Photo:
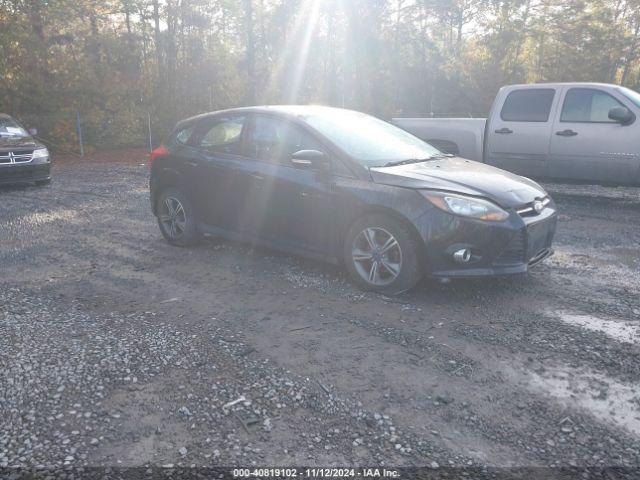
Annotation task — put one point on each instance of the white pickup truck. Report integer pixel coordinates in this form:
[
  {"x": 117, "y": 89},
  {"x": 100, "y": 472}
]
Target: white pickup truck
[{"x": 588, "y": 132}]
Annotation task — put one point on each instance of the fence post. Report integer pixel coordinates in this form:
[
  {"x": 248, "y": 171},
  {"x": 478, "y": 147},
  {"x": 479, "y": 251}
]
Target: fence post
[
  {"x": 149, "y": 126},
  {"x": 79, "y": 132}
]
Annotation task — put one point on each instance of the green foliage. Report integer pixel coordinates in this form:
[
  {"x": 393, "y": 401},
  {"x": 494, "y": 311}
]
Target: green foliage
[{"x": 118, "y": 61}]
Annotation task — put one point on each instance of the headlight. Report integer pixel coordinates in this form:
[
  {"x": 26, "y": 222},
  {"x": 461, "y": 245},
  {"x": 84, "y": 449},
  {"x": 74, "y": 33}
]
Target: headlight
[
  {"x": 466, "y": 206},
  {"x": 40, "y": 153}
]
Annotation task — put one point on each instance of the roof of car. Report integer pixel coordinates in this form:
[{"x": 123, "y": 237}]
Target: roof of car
[
  {"x": 291, "y": 110},
  {"x": 301, "y": 109}
]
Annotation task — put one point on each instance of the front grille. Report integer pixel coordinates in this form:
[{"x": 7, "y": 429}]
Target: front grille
[
  {"x": 529, "y": 210},
  {"x": 16, "y": 156},
  {"x": 514, "y": 252},
  {"x": 528, "y": 244},
  {"x": 539, "y": 238}
]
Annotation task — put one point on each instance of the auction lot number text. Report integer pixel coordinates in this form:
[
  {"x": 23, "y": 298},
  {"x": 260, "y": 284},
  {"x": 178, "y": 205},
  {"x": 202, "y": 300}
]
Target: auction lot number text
[{"x": 314, "y": 473}]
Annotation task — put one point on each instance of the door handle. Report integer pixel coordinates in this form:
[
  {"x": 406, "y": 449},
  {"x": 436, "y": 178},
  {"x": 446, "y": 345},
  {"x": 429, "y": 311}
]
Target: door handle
[
  {"x": 313, "y": 196},
  {"x": 256, "y": 176},
  {"x": 192, "y": 163},
  {"x": 504, "y": 131},
  {"x": 567, "y": 133}
]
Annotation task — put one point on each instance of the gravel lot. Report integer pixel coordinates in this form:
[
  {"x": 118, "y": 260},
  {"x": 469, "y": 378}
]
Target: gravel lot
[{"x": 117, "y": 349}]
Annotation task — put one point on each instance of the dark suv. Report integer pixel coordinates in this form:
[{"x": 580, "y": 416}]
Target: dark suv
[
  {"x": 22, "y": 158},
  {"x": 349, "y": 188}
]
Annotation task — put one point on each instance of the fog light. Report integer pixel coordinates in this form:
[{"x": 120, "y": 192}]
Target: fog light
[{"x": 462, "y": 256}]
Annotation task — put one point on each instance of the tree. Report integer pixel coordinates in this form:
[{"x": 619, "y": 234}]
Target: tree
[{"x": 118, "y": 60}]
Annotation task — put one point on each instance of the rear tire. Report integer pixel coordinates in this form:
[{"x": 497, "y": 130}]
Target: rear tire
[
  {"x": 381, "y": 255},
  {"x": 176, "y": 218}
]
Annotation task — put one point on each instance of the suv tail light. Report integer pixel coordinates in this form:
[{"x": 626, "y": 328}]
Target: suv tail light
[{"x": 161, "y": 151}]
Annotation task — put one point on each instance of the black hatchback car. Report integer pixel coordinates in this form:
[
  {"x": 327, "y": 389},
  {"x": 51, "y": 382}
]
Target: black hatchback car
[
  {"x": 346, "y": 187},
  {"x": 22, "y": 158}
]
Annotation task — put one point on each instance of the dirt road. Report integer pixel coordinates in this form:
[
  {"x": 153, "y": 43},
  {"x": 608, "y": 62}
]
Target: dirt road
[{"x": 117, "y": 349}]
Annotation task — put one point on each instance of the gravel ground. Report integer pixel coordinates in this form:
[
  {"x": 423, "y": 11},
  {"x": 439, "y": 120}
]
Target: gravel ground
[{"x": 119, "y": 350}]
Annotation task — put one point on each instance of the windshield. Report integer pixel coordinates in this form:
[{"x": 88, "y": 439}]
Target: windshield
[
  {"x": 10, "y": 128},
  {"x": 631, "y": 95},
  {"x": 370, "y": 141}
]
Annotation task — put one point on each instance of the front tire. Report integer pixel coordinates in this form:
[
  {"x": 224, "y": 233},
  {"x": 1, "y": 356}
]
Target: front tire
[
  {"x": 176, "y": 218},
  {"x": 381, "y": 255}
]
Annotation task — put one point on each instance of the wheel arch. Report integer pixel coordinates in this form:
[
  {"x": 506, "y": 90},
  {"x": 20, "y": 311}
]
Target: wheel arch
[
  {"x": 389, "y": 212},
  {"x": 163, "y": 179}
]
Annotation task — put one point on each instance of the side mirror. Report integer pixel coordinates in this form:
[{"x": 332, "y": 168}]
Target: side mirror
[
  {"x": 310, "y": 159},
  {"x": 33, "y": 132},
  {"x": 621, "y": 115}
]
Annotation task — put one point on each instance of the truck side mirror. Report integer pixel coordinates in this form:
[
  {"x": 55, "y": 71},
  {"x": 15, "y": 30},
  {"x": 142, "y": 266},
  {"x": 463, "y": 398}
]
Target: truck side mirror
[
  {"x": 33, "y": 132},
  {"x": 622, "y": 115}
]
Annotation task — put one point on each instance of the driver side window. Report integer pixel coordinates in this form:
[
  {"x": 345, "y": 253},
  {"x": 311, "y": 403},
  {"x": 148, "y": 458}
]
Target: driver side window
[
  {"x": 587, "y": 105},
  {"x": 223, "y": 135},
  {"x": 275, "y": 140}
]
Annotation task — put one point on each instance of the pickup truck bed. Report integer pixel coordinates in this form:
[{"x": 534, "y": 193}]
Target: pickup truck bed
[{"x": 459, "y": 136}]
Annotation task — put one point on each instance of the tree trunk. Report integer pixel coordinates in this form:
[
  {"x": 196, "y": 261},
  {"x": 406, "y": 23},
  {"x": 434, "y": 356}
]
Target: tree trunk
[
  {"x": 459, "y": 26},
  {"x": 250, "y": 52},
  {"x": 332, "y": 75},
  {"x": 171, "y": 51},
  {"x": 127, "y": 20},
  {"x": 397, "y": 59},
  {"x": 631, "y": 55},
  {"x": 521, "y": 39},
  {"x": 157, "y": 37},
  {"x": 95, "y": 47},
  {"x": 42, "y": 51}
]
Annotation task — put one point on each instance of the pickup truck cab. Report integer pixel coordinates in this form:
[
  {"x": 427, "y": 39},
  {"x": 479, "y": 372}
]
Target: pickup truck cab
[{"x": 587, "y": 132}]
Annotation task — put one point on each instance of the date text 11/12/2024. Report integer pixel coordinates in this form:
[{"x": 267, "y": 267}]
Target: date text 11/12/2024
[{"x": 315, "y": 473}]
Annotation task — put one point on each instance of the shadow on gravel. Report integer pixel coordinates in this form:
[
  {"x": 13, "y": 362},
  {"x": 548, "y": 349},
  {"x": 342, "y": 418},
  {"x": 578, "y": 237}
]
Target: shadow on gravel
[
  {"x": 16, "y": 188},
  {"x": 429, "y": 289}
]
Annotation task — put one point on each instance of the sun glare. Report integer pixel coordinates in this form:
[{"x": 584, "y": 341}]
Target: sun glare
[
  {"x": 291, "y": 65},
  {"x": 307, "y": 24}
]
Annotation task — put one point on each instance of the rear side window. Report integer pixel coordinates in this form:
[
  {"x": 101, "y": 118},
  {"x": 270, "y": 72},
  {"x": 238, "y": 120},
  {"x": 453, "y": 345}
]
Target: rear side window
[
  {"x": 184, "y": 135},
  {"x": 529, "y": 105},
  {"x": 223, "y": 134},
  {"x": 587, "y": 105}
]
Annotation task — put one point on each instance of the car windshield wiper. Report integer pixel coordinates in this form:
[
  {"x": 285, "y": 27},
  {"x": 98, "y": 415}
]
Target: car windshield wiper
[
  {"x": 408, "y": 161},
  {"x": 418, "y": 160}
]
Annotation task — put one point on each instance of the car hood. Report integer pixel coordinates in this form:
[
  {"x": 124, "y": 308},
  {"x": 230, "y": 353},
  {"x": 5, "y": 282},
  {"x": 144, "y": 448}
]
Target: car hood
[
  {"x": 463, "y": 176},
  {"x": 9, "y": 143}
]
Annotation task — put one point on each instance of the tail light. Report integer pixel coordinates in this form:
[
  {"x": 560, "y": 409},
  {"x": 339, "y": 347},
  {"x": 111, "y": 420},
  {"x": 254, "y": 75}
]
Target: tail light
[{"x": 159, "y": 152}]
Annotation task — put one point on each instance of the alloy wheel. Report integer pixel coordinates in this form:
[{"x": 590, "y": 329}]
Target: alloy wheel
[
  {"x": 377, "y": 256},
  {"x": 173, "y": 217}
]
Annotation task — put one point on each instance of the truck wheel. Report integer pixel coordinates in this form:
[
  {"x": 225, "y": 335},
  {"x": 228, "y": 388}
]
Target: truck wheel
[{"x": 381, "y": 255}]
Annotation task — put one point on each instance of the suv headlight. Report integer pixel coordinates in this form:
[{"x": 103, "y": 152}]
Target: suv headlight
[
  {"x": 40, "y": 153},
  {"x": 466, "y": 206}
]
